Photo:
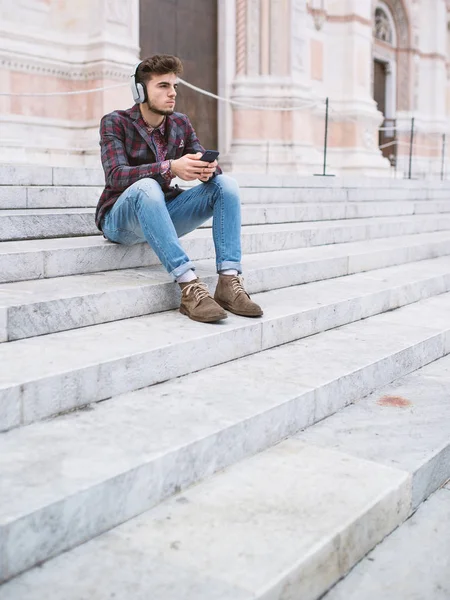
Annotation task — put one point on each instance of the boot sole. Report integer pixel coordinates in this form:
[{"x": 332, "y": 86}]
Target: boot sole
[
  {"x": 204, "y": 320},
  {"x": 225, "y": 306}
]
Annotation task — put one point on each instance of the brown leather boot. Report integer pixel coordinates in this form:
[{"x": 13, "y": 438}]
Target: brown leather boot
[
  {"x": 197, "y": 303},
  {"x": 231, "y": 295}
]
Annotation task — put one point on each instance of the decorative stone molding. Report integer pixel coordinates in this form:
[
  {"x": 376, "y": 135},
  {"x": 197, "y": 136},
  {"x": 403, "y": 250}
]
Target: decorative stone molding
[
  {"x": 79, "y": 72},
  {"x": 383, "y": 29},
  {"x": 63, "y": 46},
  {"x": 318, "y": 13},
  {"x": 402, "y": 35},
  {"x": 241, "y": 37},
  {"x": 253, "y": 37},
  {"x": 401, "y": 19}
]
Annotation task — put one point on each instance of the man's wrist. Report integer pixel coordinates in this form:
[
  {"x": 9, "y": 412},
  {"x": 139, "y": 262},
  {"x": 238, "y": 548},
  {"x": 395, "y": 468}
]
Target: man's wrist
[{"x": 166, "y": 170}]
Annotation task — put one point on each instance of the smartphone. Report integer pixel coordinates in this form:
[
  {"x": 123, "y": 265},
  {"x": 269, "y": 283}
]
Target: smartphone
[{"x": 210, "y": 156}]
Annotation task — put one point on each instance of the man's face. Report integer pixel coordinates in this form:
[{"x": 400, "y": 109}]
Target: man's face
[{"x": 162, "y": 91}]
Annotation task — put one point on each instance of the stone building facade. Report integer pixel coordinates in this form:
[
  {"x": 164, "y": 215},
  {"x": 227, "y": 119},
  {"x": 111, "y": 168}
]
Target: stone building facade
[{"x": 380, "y": 63}]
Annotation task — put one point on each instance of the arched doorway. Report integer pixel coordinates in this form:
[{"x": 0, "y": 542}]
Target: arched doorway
[{"x": 391, "y": 68}]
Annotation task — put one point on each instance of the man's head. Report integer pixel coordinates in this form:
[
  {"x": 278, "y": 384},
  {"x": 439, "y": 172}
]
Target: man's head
[{"x": 159, "y": 74}]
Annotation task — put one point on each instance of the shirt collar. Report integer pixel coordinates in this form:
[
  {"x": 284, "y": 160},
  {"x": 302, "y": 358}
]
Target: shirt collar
[{"x": 161, "y": 128}]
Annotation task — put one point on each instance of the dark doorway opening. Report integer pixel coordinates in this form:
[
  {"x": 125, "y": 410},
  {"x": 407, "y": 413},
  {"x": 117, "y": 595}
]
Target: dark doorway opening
[
  {"x": 387, "y": 137},
  {"x": 379, "y": 87},
  {"x": 187, "y": 29}
]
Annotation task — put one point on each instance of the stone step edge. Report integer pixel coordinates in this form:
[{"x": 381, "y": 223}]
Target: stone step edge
[
  {"x": 378, "y": 576},
  {"x": 48, "y": 258},
  {"x": 163, "y": 295},
  {"x": 26, "y": 400},
  {"x": 377, "y": 516},
  {"x": 44, "y": 175},
  {"x": 71, "y": 211},
  {"x": 75, "y": 221},
  {"x": 52, "y": 198},
  {"x": 406, "y": 361},
  {"x": 48, "y": 245}
]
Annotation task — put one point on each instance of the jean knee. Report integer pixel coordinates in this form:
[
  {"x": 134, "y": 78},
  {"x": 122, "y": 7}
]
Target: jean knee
[
  {"x": 228, "y": 186},
  {"x": 149, "y": 191},
  {"x": 226, "y": 183}
]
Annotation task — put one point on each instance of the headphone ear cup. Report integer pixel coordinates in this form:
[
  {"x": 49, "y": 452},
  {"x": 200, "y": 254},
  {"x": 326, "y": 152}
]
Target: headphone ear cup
[
  {"x": 138, "y": 90},
  {"x": 142, "y": 93},
  {"x": 134, "y": 90}
]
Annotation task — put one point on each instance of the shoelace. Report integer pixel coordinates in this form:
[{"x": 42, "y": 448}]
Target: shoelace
[
  {"x": 238, "y": 285},
  {"x": 199, "y": 288}
]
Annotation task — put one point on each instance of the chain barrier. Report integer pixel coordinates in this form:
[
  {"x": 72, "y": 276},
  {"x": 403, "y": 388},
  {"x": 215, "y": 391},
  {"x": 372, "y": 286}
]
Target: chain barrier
[
  {"x": 75, "y": 93},
  {"x": 331, "y": 114}
]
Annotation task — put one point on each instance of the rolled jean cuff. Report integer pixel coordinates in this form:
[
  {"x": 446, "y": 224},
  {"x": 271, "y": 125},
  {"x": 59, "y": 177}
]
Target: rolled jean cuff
[
  {"x": 224, "y": 266},
  {"x": 179, "y": 271}
]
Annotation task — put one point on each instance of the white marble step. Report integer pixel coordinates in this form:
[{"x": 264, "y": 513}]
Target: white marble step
[
  {"x": 40, "y": 175},
  {"x": 36, "y": 259},
  {"x": 69, "y": 369},
  {"x": 33, "y": 175},
  {"x": 35, "y": 197},
  {"x": 22, "y": 224},
  {"x": 44, "y": 306},
  {"x": 413, "y": 563},
  {"x": 40, "y": 197},
  {"x": 90, "y": 470},
  {"x": 405, "y": 424}
]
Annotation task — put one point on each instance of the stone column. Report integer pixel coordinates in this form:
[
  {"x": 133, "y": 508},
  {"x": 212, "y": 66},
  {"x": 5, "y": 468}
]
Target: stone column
[
  {"x": 270, "y": 73},
  {"x": 354, "y": 119},
  {"x": 430, "y": 56},
  {"x": 57, "y": 46}
]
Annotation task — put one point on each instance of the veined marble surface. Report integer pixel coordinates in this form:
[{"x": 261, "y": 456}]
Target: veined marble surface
[
  {"x": 29, "y": 223},
  {"x": 413, "y": 562},
  {"x": 404, "y": 425},
  {"x": 32, "y": 259},
  {"x": 242, "y": 534},
  {"x": 49, "y": 305},
  {"x": 76, "y": 367},
  {"x": 136, "y": 449}
]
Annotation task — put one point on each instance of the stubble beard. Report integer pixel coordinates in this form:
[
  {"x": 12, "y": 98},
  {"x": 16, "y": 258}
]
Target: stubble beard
[{"x": 158, "y": 111}]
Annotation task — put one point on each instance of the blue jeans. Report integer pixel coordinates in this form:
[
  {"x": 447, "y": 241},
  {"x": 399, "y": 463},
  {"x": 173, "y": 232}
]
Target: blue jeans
[{"x": 141, "y": 214}]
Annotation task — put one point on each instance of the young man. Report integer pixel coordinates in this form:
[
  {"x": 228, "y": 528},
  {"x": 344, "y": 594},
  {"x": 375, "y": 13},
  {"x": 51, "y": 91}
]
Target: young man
[{"x": 142, "y": 150}]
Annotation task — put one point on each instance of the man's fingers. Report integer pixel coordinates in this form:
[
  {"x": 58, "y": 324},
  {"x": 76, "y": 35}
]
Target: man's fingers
[{"x": 199, "y": 163}]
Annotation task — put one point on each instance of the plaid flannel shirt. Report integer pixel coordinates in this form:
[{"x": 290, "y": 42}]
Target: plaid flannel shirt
[{"x": 128, "y": 153}]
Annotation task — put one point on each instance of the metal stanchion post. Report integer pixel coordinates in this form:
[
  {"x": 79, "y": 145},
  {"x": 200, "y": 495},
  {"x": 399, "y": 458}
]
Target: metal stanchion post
[
  {"x": 411, "y": 142},
  {"x": 325, "y": 148},
  {"x": 443, "y": 157}
]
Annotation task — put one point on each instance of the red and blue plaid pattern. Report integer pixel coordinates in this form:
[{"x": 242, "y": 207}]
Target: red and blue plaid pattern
[
  {"x": 158, "y": 135},
  {"x": 129, "y": 153}
]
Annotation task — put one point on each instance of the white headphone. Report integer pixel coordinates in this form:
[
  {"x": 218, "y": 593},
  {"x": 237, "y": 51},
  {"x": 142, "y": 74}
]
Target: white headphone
[{"x": 138, "y": 89}]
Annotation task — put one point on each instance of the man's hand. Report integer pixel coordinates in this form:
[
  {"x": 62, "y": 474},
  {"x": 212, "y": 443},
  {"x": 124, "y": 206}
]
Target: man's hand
[
  {"x": 208, "y": 171},
  {"x": 189, "y": 167}
]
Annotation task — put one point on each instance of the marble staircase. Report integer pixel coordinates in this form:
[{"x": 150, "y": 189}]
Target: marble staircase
[{"x": 246, "y": 459}]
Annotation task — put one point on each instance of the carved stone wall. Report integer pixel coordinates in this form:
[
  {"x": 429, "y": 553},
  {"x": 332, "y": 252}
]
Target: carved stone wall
[
  {"x": 241, "y": 37},
  {"x": 62, "y": 46},
  {"x": 404, "y": 60}
]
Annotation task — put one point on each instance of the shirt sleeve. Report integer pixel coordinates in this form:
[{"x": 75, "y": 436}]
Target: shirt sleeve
[
  {"x": 119, "y": 175},
  {"x": 166, "y": 171}
]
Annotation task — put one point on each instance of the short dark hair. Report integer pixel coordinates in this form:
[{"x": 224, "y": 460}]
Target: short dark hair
[{"x": 159, "y": 64}]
